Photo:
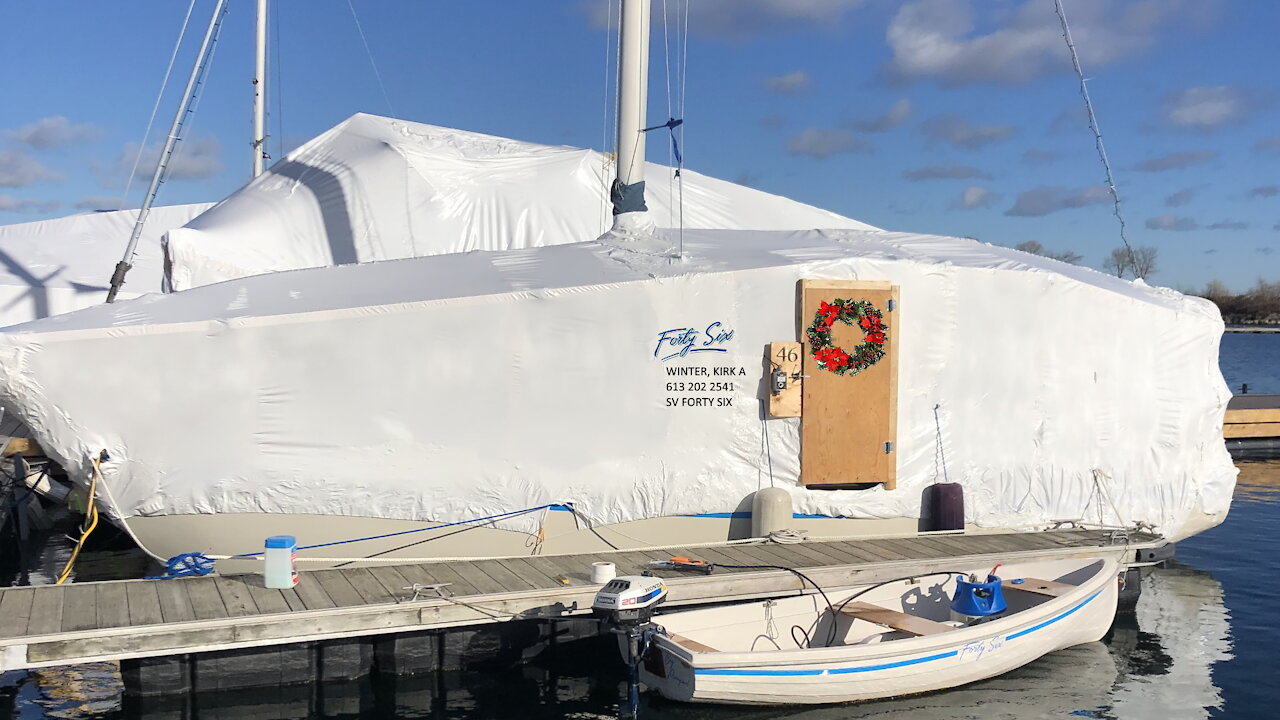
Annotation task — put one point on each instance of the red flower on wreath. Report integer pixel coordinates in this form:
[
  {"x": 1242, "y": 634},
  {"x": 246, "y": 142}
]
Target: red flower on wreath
[{"x": 859, "y": 313}]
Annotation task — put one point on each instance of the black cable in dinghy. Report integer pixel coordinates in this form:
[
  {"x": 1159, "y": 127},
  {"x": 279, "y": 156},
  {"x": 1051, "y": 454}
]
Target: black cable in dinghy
[{"x": 831, "y": 636}]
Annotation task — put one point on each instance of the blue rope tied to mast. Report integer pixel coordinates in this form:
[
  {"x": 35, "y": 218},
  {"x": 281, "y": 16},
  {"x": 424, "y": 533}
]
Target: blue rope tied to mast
[{"x": 671, "y": 124}]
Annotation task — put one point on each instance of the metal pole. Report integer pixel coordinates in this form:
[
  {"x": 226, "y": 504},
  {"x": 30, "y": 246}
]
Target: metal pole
[
  {"x": 260, "y": 90},
  {"x": 175, "y": 130},
  {"x": 633, "y": 92}
]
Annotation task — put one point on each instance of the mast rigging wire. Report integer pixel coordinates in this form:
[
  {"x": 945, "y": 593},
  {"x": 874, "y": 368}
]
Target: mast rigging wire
[
  {"x": 1097, "y": 133},
  {"x": 164, "y": 84},
  {"x": 372, "y": 63}
]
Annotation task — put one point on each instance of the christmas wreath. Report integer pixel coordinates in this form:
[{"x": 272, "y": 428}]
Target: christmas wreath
[{"x": 836, "y": 359}]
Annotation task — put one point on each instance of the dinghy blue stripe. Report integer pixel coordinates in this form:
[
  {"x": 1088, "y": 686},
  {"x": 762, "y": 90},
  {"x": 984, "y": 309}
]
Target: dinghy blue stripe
[
  {"x": 1055, "y": 619},
  {"x": 888, "y": 666},
  {"x": 758, "y": 672},
  {"x": 900, "y": 663}
]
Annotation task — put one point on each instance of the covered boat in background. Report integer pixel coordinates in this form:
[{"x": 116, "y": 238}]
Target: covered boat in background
[
  {"x": 54, "y": 266},
  {"x": 376, "y": 188}
]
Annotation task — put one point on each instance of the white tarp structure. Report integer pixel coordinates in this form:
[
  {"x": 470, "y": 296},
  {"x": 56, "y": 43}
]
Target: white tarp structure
[
  {"x": 376, "y": 188},
  {"x": 457, "y": 386},
  {"x": 55, "y": 266}
]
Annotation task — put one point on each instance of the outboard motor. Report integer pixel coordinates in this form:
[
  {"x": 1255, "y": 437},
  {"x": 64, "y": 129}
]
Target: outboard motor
[
  {"x": 625, "y": 605},
  {"x": 976, "y": 601}
]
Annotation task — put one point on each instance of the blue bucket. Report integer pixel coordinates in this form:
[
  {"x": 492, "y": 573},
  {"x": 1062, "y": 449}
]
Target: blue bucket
[{"x": 978, "y": 599}]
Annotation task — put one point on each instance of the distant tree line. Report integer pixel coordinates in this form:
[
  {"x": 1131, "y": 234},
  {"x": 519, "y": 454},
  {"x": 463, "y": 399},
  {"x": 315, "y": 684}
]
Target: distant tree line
[
  {"x": 1259, "y": 305},
  {"x": 1138, "y": 262}
]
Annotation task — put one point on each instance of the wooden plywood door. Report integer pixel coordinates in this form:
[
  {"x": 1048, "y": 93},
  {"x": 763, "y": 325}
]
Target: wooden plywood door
[{"x": 848, "y": 419}]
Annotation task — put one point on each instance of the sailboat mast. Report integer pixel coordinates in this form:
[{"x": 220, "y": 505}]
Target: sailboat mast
[
  {"x": 260, "y": 89},
  {"x": 162, "y": 164},
  {"x": 633, "y": 93}
]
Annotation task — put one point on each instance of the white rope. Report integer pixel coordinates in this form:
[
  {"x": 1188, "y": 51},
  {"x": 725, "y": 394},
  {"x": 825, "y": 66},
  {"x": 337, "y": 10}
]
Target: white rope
[
  {"x": 788, "y": 537},
  {"x": 164, "y": 84},
  {"x": 372, "y": 63},
  {"x": 1097, "y": 132}
]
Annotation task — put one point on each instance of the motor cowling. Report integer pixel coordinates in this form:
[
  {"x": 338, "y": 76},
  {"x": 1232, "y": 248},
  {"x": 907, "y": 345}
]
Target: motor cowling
[{"x": 629, "y": 600}]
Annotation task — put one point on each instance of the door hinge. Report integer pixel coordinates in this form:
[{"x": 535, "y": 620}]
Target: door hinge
[
  {"x": 888, "y": 448},
  {"x": 893, "y": 305}
]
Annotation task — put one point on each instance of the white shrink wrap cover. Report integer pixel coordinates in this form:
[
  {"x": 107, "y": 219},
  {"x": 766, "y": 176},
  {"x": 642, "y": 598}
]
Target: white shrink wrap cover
[
  {"x": 55, "y": 266},
  {"x": 457, "y": 386},
  {"x": 376, "y": 188}
]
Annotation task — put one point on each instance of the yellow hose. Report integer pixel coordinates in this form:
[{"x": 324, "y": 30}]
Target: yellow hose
[{"x": 91, "y": 514}]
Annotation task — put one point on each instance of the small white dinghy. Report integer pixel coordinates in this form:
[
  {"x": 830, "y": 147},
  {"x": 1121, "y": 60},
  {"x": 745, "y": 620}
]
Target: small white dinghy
[{"x": 887, "y": 640}]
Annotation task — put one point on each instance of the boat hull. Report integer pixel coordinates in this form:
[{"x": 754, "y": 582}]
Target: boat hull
[
  {"x": 226, "y": 534},
  {"x": 885, "y": 670}
]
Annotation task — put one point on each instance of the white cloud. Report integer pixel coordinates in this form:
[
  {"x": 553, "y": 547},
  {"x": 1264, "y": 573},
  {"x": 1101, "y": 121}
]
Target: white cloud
[
  {"x": 1171, "y": 222},
  {"x": 1266, "y": 144},
  {"x": 743, "y": 19},
  {"x": 1207, "y": 108},
  {"x": 1180, "y": 198},
  {"x": 793, "y": 83},
  {"x": 192, "y": 160},
  {"x": 1265, "y": 191},
  {"x": 895, "y": 116},
  {"x": 974, "y": 196},
  {"x": 944, "y": 172},
  {"x": 1229, "y": 225},
  {"x": 819, "y": 143},
  {"x": 963, "y": 134},
  {"x": 941, "y": 39},
  {"x": 1044, "y": 200},
  {"x": 17, "y": 169},
  {"x": 54, "y": 132},
  {"x": 8, "y": 203},
  {"x": 1177, "y": 160}
]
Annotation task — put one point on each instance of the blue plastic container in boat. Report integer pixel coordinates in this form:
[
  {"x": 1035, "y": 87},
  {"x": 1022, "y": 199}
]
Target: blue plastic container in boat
[{"x": 975, "y": 600}]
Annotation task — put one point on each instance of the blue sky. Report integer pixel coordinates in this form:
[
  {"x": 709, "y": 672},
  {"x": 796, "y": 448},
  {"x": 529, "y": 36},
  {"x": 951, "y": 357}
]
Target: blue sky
[{"x": 958, "y": 117}]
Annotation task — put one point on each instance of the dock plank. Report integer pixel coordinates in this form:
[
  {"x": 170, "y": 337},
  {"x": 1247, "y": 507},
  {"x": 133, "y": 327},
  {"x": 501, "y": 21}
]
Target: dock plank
[
  {"x": 206, "y": 601},
  {"x": 268, "y": 600},
  {"x": 884, "y": 548},
  {"x": 437, "y": 573},
  {"x": 79, "y": 607},
  {"x": 483, "y": 583},
  {"x": 392, "y": 580},
  {"x": 371, "y": 591},
  {"x": 527, "y": 572},
  {"x": 175, "y": 604},
  {"x": 15, "y": 611},
  {"x": 144, "y": 603},
  {"x": 509, "y": 581},
  {"x": 311, "y": 594},
  {"x": 338, "y": 588},
  {"x": 46, "y": 611},
  {"x": 235, "y": 595},
  {"x": 113, "y": 606},
  {"x": 547, "y": 567},
  {"x": 844, "y": 553}
]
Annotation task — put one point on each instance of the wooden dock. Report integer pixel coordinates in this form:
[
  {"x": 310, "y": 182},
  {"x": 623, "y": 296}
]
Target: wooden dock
[
  {"x": 84, "y": 622},
  {"x": 1252, "y": 416}
]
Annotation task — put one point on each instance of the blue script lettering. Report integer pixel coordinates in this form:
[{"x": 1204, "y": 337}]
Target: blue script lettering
[{"x": 679, "y": 342}]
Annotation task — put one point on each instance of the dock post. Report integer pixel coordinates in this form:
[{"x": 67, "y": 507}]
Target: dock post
[
  {"x": 154, "y": 676},
  {"x": 253, "y": 667},
  {"x": 347, "y": 659},
  {"x": 407, "y": 653}
]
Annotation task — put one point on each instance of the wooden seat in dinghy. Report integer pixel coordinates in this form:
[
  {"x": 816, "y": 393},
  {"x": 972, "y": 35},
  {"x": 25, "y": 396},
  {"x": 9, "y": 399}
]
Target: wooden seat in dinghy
[{"x": 894, "y": 619}]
